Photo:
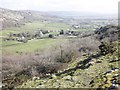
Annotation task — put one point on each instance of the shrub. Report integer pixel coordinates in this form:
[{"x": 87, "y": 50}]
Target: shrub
[
  {"x": 49, "y": 60},
  {"x": 51, "y": 36},
  {"x": 25, "y": 40},
  {"x": 61, "y": 32}
]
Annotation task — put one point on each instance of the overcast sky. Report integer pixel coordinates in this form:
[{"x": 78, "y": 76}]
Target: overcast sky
[{"x": 98, "y": 6}]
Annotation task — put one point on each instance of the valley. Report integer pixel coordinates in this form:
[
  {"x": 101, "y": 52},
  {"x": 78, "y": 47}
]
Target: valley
[{"x": 44, "y": 50}]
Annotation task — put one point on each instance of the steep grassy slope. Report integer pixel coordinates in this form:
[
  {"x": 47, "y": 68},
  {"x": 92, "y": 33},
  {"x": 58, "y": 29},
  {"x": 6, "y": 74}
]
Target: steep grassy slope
[{"x": 85, "y": 72}]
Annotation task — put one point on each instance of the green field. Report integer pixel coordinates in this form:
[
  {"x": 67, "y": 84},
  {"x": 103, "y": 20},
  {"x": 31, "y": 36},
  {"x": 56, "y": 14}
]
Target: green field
[{"x": 11, "y": 47}]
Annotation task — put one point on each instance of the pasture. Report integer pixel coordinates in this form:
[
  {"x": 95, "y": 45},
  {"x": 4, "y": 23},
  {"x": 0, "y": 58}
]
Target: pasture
[{"x": 12, "y": 47}]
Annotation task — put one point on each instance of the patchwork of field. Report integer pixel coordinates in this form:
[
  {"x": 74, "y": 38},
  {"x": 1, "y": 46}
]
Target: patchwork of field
[
  {"x": 39, "y": 25},
  {"x": 12, "y": 47}
]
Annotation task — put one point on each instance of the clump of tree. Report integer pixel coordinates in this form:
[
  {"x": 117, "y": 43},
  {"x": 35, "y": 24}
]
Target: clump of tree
[
  {"x": 51, "y": 36},
  {"x": 61, "y": 32}
]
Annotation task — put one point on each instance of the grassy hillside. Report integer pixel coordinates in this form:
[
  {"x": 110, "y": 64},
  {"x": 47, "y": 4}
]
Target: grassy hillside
[
  {"x": 12, "y": 18},
  {"x": 96, "y": 70},
  {"x": 79, "y": 75}
]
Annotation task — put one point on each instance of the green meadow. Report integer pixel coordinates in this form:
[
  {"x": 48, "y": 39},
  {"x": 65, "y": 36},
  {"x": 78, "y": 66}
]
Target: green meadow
[{"x": 12, "y": 47}]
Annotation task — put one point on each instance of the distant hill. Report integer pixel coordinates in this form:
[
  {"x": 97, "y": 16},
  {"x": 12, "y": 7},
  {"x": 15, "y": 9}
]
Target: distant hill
[
  {"x": 15, "y": 18},
  {"x": 82, "y": 15},
  {"x": 12, "y": 18}
]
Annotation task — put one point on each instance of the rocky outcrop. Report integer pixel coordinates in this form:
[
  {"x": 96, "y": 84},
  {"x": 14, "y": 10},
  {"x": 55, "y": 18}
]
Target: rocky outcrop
[{"x": 108, "y": 32}]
